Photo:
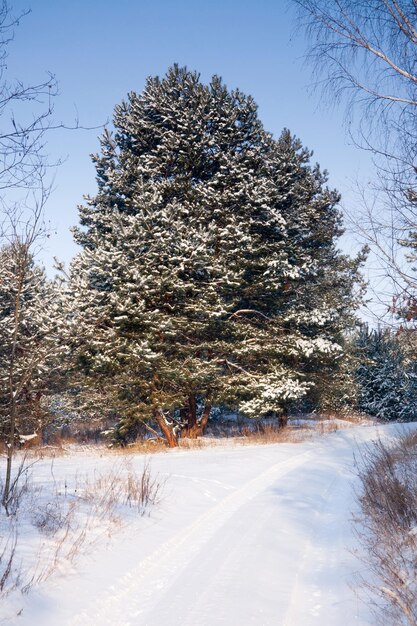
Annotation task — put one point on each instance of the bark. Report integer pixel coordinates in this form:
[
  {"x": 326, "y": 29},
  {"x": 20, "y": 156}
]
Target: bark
[
  {"x": 196, "y": 429},
  {"x": 10, "y": 452},
  {"x": 192, "y": 411},
  {"x": 283, "y": 419},
  {"x": 12, "y": 389},
  {"x": 205, "y": 416},
  {"x": 167, "y": 428},
  {"x": 189, "y": 417}
]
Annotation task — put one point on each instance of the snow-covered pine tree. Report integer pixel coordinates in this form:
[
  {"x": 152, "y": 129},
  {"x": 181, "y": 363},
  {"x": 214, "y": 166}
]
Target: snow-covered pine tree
[
  {"x": 209, "y": 271},
  {"x": 29, "y": 345},
  {"x": 314, "y": 303},
  {"x": 387, "y": 381}
]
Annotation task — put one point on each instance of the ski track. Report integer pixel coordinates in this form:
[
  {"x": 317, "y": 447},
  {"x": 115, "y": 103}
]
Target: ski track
[
  {"x": 256, "y": 536},
  {"x": 313, "y": 599},
  {"x": 136, "y": 593}
]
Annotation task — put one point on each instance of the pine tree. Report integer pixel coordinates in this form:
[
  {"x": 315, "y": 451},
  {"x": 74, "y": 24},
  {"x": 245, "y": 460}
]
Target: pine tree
[
  {"x": 387, "y": 382},
  {"x": 209, "y": 271}
]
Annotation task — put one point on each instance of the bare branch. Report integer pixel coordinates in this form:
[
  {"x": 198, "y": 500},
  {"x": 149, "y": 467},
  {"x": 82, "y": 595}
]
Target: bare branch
[{"x": 241, "y": 312}]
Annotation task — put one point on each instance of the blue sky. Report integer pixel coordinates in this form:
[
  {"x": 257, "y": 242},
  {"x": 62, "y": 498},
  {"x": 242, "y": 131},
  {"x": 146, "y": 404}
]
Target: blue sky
[{"x": 100, "y": 50}]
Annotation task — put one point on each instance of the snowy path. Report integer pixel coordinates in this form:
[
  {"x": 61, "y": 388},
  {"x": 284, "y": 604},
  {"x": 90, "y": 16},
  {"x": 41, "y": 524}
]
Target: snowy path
[{"x": 255, "y": 535}]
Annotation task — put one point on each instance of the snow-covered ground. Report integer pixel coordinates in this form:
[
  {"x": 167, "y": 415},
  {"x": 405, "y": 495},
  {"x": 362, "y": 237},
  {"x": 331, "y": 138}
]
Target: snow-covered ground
[{"x": 243, "y": 535}]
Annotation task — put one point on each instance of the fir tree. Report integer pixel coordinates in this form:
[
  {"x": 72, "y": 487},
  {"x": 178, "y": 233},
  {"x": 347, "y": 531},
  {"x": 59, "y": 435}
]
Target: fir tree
[{"x": 209, "y": 271}]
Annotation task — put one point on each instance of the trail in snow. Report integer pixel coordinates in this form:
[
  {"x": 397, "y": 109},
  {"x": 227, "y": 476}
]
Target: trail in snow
[
  {"x": 258, "y": 535},
  {"x": 156, "y": 573}
]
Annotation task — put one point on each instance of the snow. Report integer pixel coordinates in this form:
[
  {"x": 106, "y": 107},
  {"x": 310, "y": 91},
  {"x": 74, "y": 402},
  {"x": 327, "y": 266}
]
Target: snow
[
  {"x": 27, "y": 438},
  {"x": 248, "y": 535}
]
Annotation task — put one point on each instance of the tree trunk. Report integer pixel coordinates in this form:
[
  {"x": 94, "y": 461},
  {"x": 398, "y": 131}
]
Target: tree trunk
[
  {"x": 197, "y": 428},
  {"x": 10, "y": 452},
  {"x": 167, "y": 428},
  {"x": 192, "y": 412},
  {"x": 12, "y": 389},
  {"x": 189, "y": 417},
  {"x": 283, "y": 419},
  {"x": 205, "y": 416}
]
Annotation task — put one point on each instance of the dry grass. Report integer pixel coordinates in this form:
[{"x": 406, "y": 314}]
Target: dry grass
[
  {"x": 387, "y": 528},
  {"x": 241, "y": 432},
  {"x": 141, "y": 446},
  {"x": 68, "y": 520},
  {"x": 9, "y": 578},
  {"x": 267, "y": 432},
  {"x": 270, "y": 433},
  {"x": 19, "y": 486},
  {"x": 46, "y": 452},
  {"x": 347, "y": 416},
  {"x": 123, "y": 486},
  {"x": 218, "y": 433}
]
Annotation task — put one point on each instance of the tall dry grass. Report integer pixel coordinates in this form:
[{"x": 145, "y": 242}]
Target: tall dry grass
[
  {"x": 64, "y": 521},
  {"x": 387, "y": 528}
]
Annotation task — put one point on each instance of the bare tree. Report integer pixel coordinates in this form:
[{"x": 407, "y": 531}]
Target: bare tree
[
  {"x": 27, "y": 302},
  {"x": 30, "y": 330},
  {"x": 25, "y": 113},
  {"x": 364, "y": 52}
]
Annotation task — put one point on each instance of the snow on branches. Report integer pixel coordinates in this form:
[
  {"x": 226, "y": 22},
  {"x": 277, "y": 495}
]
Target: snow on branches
[{"x": 201, "y": 214}]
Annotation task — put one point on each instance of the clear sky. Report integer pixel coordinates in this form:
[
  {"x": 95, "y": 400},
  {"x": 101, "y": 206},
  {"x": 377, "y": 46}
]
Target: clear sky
[{"x": 100, "y": 50}]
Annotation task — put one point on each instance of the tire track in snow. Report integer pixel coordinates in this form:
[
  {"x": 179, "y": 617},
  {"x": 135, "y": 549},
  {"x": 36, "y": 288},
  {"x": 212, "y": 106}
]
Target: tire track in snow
[
  {"x": 321, "y": 587},
  {"x": 298, "y": 594},
  {"x": 229, "y": 574},
  {"x": 323, "y": 593},
  {"x": 133, "y": 594}
]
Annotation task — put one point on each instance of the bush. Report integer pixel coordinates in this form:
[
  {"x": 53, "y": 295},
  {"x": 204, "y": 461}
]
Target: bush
[{"x": 387, "y": 527}]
